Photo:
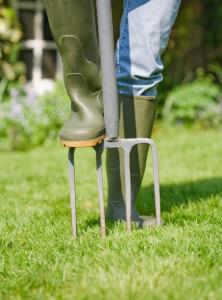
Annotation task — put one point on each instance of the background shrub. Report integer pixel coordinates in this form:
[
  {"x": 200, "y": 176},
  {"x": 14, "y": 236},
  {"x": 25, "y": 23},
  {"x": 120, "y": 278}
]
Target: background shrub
[
  {"x": 28, "y": 120},
  {"x": 198, "y": 101},
  {"x": 11, "y": 70}
]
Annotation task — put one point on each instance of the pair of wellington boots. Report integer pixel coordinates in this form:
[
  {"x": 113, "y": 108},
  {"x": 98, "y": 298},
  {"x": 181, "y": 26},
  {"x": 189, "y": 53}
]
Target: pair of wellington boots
[{"x": 73, "y": 27}]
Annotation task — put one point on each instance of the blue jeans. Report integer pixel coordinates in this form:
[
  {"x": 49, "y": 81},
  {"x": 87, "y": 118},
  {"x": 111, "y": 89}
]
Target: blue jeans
[{"x": 144, "y": 33}]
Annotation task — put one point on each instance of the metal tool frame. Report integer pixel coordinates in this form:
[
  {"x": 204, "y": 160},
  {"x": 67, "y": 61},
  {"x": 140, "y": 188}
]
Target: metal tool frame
[
  {"x": 126, "y": 145},
  {"x": 111, "y": 117}
]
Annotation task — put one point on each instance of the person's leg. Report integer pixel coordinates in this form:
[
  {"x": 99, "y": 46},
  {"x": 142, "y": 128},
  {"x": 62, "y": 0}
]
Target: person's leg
[
  {"x": 73, "y": 26},
  {"x": 144, "y": 32}
]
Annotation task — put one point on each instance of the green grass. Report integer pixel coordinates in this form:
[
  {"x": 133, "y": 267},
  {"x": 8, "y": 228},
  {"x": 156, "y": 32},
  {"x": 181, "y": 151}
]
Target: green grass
[{"x": 181, "y": 260}]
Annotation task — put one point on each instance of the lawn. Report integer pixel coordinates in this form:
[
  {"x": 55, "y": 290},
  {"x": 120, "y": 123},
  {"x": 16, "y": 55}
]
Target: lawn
[{"x": 180, "y": 260}]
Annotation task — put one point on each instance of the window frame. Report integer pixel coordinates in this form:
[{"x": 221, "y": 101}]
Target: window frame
[{"x": 37, "y": 44}]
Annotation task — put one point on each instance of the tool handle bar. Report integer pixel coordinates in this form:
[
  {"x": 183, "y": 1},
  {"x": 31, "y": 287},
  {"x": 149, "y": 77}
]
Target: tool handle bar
[{"x": 106, "y": 42}]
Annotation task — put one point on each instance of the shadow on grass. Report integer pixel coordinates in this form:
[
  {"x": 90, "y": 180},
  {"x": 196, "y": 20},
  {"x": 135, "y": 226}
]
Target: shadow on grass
[
  {"x": 94, "y": 222},
  {"x": 172, "y": 195}
]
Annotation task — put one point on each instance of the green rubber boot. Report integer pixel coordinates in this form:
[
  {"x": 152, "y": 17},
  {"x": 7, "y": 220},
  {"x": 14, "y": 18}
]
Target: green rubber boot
[
  {"x": 137, "y": 116},
  {"x": 73, "y": 27}
]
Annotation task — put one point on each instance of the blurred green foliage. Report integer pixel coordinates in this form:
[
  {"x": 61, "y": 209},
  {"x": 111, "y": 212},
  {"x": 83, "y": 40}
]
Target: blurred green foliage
[
  {"x": 11, "y": 71},
  {"x": 195, "y": 102},
  {"x": 28, "y": 121}
]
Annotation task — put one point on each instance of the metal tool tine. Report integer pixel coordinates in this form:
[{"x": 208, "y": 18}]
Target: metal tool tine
[
  {"x": 156, "y": 183},
  {"x": 71, "y": 157},
  {"x": 128, "y": 195},
  {"x": 99, "y": 151}
]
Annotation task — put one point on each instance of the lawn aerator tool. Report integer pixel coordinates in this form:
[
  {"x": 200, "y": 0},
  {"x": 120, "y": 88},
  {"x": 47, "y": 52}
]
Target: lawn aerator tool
[{"x": 111, "y": 116}]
